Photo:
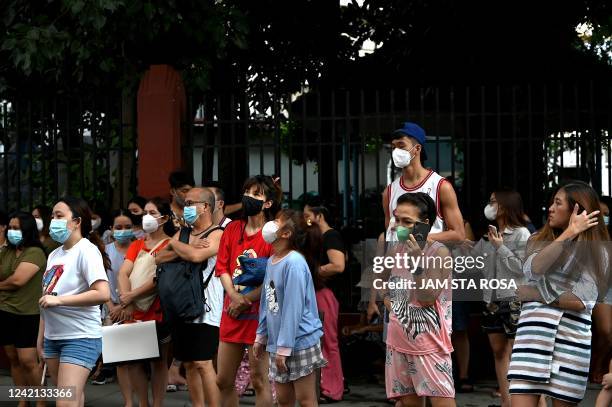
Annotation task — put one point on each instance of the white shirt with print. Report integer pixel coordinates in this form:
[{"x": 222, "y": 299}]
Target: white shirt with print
[{"x": 71, "y": 272}]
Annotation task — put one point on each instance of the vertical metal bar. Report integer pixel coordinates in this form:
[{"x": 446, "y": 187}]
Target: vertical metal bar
[
  {"x": 362, "y": 138},
  {"x": 31, "y": 159},
  {"x": 346, "y": 153},
  {"x": 514, "y": 143},
  {"x": 290, "y": 135},
  {"x": 546, "y": 130},
  {"x": 466, "y": 159},
  {"x": 333, "y": 146},
  {"x": 530, "y": 146},
  {"x": 304, "y": 147},
  {"x": 320, "y": 139},
  {"x": 259, "y": 124},
  {"x": 108, "y": 145},
  {"x": 609, "y": 142},
  {"x": 580, "y": 135},
  {"x": 277, "y": 133},
  {"x": 499, "y": 135},
  {"x": 6, "y": 141},
  {"x": 378, "y": 135},
  {"x": 205, "y": 147},
  {"x": 483, "y": 151},
  {"x": 121, "y": 169},
  {"x": 43, "y": 153},
  {"x": 55, "y": 147},
  {"x": 94, "y": 145},
  {"x": 561, "y": 128},
  {"x": 451, "y": 95},
  {"x": 81, "y": 134},
  {"x": 191, "y": 112},
  {"x": 598, "y": 147},
  {"x": 437, "y": 127},
  {"x": 17, "y": 154},
  {"x": 67, "y": 147}
]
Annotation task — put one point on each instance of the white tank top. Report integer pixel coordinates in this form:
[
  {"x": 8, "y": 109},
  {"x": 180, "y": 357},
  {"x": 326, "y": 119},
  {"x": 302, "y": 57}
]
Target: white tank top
[{"x": 430, "y": 185}]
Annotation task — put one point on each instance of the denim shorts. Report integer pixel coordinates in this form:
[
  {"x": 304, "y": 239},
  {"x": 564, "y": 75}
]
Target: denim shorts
[{"x": 79, "y": 351}]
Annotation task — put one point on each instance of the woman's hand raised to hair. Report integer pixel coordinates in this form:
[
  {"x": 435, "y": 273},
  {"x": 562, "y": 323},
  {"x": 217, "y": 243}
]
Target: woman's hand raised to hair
[{"x": 579, "y": 222}]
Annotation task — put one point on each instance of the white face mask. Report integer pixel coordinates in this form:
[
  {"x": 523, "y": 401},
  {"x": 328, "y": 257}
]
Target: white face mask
[
  {"x": 490, "y": 212},
  {"x": 268, "y": 232},
  {"x": 149, "y": 223},
  {"x": 39, "y": 224},
  {"x": 401, "y": 157},
  {"x": 95, "y": 223}
]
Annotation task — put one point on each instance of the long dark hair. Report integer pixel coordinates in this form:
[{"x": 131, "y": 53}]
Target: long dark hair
[
  {"x": 29, "y": 232},
  {"x": 512, "y": 204},
  {"x": 45, "y": 214},
  {"x": 270, "y": 188},
  {"x": 581, "y": 193},
  {"x": 163, "y": 206},
  {"x": 80, "y": 209},
  {"x": 306, "y": 240}
]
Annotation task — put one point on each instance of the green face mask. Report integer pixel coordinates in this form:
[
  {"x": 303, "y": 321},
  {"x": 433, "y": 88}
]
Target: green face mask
[{"x": 403, "y": 233}]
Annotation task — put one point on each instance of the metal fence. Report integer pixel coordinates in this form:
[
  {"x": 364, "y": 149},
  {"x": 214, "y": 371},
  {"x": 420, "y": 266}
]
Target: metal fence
[
  {"x": 335, "y": 142},
  {"x": 66, "y": 146}
]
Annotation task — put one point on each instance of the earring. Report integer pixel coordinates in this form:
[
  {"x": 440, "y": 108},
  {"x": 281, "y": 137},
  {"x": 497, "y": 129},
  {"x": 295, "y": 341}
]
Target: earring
[{"x": 309, "y": 222}]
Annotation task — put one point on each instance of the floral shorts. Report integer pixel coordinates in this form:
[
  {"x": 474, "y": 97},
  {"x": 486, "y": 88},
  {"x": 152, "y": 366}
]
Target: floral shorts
[{"x": 424, "y": 375}]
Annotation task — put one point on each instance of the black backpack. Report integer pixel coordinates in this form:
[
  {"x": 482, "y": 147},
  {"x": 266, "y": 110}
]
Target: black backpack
[{"x": 180, "y": 285}]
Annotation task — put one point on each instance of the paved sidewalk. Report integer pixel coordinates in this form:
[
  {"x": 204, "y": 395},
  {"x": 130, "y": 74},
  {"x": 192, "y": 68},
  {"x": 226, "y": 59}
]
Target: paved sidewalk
[{"x": 361, "y": 395}]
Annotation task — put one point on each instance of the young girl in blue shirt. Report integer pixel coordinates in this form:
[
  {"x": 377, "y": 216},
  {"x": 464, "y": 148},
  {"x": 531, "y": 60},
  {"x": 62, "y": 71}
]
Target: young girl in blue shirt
[{"x": 289, "y": 326}]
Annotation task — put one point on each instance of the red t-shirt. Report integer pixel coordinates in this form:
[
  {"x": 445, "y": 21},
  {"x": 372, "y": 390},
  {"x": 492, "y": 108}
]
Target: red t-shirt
[
  {"x": 154, "y": 313},
  {"x": 243, "y": 329},
  {"x": 137, "y": 246}
]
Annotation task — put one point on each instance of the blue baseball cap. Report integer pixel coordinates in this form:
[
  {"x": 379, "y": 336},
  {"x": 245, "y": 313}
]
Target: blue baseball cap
[{"x": 415, "y": 131}]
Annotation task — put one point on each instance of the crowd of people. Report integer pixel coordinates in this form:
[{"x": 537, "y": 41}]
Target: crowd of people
[{"x": 267, "y": 318}]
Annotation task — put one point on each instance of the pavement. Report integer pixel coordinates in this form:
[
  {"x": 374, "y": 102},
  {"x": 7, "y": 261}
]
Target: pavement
[{"x": 362, "y": 394}]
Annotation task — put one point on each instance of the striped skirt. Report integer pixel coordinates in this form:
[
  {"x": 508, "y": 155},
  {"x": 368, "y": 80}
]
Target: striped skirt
[{"x": 551, "y": 353}]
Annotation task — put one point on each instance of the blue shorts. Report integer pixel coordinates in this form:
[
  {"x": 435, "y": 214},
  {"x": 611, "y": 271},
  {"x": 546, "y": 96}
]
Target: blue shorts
[{"x": 81, "y": 351}]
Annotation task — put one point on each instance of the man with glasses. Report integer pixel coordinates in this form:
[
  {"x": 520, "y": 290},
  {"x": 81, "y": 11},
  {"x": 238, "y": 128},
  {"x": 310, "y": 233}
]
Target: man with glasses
[{"x": 196, "y": 342}]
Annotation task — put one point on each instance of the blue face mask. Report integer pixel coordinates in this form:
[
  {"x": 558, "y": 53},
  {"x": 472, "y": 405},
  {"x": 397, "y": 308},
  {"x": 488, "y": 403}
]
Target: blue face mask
[
  {"x": 124, "y": 235},
  {"x": 190, "y": 214},
  {"x": 15, "y": 237},
  {"x": 58, "y": 230}
]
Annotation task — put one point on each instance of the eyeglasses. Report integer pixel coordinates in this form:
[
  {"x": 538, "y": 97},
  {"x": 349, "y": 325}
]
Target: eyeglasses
[{"x": 191, "y": 203}]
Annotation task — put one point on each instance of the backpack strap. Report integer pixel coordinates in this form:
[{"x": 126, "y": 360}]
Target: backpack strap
[
  {"x": 184, "y": 236},
  {"x": 209, "y": 231},
  {"x": 213, "y": 269}
]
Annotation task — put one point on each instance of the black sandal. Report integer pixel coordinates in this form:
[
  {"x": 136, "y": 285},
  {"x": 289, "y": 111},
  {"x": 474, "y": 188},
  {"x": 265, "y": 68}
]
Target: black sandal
[
  {"x": 326, "y": 400},
  {"x": 464, "y": 386}
]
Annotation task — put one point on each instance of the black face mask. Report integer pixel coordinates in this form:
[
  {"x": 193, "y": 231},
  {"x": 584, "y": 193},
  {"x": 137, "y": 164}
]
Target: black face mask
[{"x": 251, "y": 206}]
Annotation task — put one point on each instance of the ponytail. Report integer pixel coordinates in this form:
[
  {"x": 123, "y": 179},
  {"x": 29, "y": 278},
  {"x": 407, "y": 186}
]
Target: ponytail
[
  {"x": 95, "y": 239},
  {"x": 305, "y": 240}
]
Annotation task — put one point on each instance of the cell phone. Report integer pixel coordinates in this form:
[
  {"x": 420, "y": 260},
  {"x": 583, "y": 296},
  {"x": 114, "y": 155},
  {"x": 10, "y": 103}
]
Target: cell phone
[
  {"x": 420, "y": 232},
  {"x": 493, "y": 229}
]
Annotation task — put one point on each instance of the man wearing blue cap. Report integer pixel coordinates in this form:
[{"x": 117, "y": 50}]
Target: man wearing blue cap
[{"x": 408, "y": 153}]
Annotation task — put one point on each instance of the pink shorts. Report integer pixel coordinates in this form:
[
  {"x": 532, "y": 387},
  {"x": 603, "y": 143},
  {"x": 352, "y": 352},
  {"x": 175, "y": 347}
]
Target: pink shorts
[{"x": 424, "y": 375}]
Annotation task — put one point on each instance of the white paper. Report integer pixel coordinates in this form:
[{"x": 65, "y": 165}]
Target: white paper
[{"x": 134, "y": 341}]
